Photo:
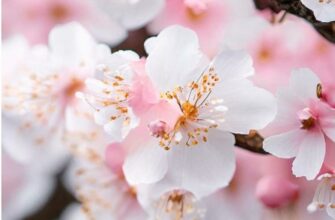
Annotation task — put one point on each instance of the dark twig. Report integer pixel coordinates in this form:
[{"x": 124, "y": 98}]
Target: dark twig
[
  {"x": 251, "y": 142},
  {"x": 295, "y": 7}
]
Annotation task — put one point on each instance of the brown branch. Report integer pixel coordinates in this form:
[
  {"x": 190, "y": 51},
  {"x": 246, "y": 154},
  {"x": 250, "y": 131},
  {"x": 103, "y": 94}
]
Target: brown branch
[
  {"x": 252, "y": 142},
  {"x": 295, "y": 7}
]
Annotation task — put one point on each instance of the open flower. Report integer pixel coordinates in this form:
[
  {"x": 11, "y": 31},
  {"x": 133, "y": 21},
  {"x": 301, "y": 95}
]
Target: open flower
[
  {"x": 39, "y": 93},
  {"x": 324, "y": 10},
  {"x": 302, "y": 124},
  {"x": 102, "y": 190},
  {"x": 324, "y": 197},
  {"x": 186, "y": 135}
]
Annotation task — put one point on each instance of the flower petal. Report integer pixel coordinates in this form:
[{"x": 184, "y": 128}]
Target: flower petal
[
  {"x": 310, "y": 156},
  {"x": 249, "y": 107},
  {"x": 204, "y": 168},
  {"x": 231, "y": 65},
  {"x": 146, "y": 165},
  {"x": 285, "y": 145},
  {"x": 173, "y": 58},
  {"x": 69, "y": 43},
  {"x": 304, "y": 82}
]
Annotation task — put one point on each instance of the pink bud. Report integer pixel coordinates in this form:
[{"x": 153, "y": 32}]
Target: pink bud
[
  {"x": 275, "y": 191},
  {"x": 158, "y": 128}
]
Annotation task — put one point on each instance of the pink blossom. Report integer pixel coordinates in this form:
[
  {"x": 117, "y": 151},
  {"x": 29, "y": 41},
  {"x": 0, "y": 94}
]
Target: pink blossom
[
  {"x": 302, "y": 125},
  {"x": 35, "y": 18},
  {"x": 206, "y": 17}
]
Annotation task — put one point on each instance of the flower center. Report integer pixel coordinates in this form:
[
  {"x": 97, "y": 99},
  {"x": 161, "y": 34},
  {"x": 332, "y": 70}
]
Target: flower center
[
  {"x": 307, "y": 119},
  {"x": 59, "y": 12},
  {"x": 264, "y": 54},
  {"x": 74, "y": 86},
  {"x": 190, "y": 111},
  {"x": 178, "y": 205},
  {"x": 198, "y": 113}
]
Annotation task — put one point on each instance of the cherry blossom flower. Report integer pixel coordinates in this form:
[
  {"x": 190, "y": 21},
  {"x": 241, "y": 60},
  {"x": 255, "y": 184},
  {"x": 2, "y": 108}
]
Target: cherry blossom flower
[
  {"x": 39, "y": 95},
  {"x": 35, "y": 18},
  {"x": 302, "y": 125},
  {"x": 200, "y": 104},
  {"x": 324, "y": 197},
  {"x": 119, "y": 94},
  {"x": 272, "y": 44},
  {"x": 324, "y": 10},
  {"x": 102, "y": 190},
  {"x": 207, "y": 18}
]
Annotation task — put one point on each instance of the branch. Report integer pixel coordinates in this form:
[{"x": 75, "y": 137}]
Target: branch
[
  {"x": 252, "y": 142},
  {"x": 295, "y": 7}
]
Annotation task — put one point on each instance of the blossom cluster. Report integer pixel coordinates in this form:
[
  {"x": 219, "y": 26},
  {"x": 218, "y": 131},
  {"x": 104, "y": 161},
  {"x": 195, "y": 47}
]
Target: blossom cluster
[{"x": 154, "y": 135}]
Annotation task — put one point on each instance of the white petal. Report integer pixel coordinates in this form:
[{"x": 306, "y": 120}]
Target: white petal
[
  {"x": 147, "y": 165},
  {"x": 231, "y": 65},
  {"x": 204, "y": 168},
  {"x": 69, "y": 43},
  {"x": 26, "y": 144},
  {"x": 249, "y": 107},
  {"x": 150, "y": 44},
  {"x": 310, "y": 156},
  {"x": 331, "y": 211},
  {"x": 304, "y": 82},
  {"x": 174, "y": 58},
  {"x": 131, "y": 13},
  {"x": 285, "y": 145},
  {"x": 117, "y": 128},
  {"x": 141, "y": 12},
  {"x": 106, "y": 30},
  {"x": 323, "y": 10}
]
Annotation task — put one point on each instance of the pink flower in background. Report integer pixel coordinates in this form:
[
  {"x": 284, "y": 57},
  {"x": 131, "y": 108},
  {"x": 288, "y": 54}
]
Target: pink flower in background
[
  {"x": 278, "y": 48},
  {"x": 302, "y": 124},
  {"x": 207, "y": 18},
  {"x": 35, "y": 18}
]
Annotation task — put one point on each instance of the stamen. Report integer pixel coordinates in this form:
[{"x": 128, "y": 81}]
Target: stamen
[{"x": 191, "y": 122}]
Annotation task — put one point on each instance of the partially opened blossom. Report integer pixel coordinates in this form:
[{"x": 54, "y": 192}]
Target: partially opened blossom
[
  {"x": 302, "y": 125},
  {"x": 119, "y": 96},
  {"x": 324, "y": 197},
  {"x": 200, "y": 103},
  {"x": 324, "y": 10},
  {"x": 34, "y": 19},
  {"x": 39, "y": 95}
]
